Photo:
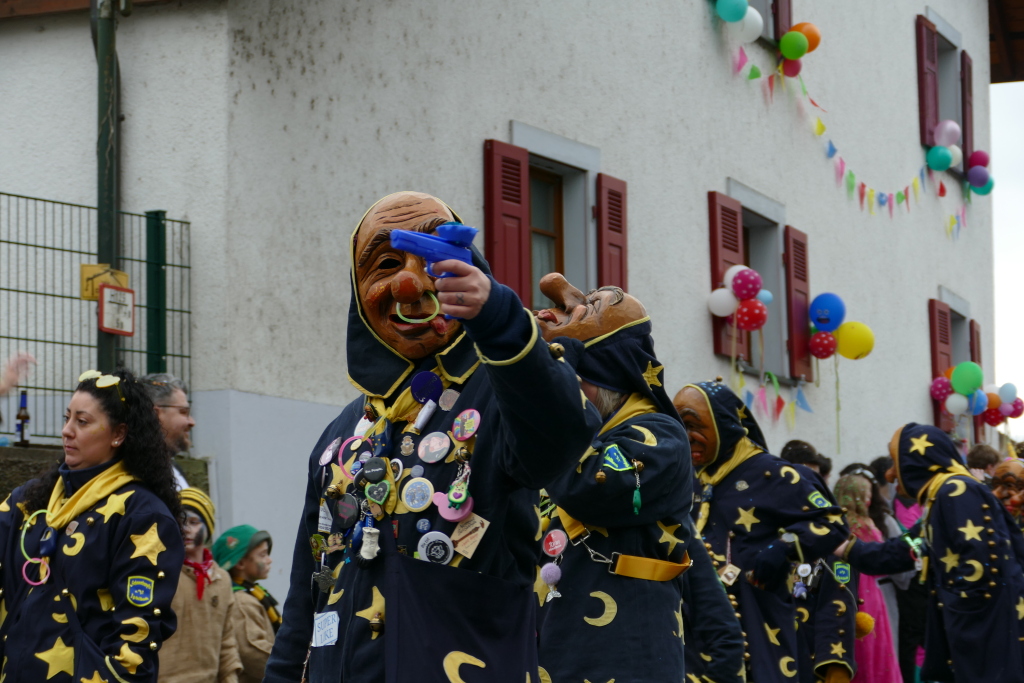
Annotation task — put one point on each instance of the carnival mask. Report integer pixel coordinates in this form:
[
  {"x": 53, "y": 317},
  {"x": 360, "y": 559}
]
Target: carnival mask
[
  {"x": 1008, "y": 484},
  {"x": 584, "y": 316}
]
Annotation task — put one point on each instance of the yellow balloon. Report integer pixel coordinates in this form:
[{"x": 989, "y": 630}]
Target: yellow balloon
[{"x": 855, "y": 340}]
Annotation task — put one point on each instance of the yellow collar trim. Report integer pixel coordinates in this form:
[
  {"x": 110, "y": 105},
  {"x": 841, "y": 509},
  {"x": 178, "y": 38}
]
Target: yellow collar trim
[
  {"x": 745, "y": 450},
  {"x": 60, "y": 510},
  {"x": 636, "y": 404},
  {"x": 595, "y": 340}
]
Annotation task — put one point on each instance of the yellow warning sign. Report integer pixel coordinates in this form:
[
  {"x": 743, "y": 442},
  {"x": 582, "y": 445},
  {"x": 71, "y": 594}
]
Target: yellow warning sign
[{"x": 95, "y": 274}]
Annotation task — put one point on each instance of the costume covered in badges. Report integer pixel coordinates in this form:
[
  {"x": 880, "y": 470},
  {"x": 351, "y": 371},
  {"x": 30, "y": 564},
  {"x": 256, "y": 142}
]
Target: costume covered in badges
[
  {"x": 113, "y": 552},
  {"x": 971, "y": 551},
  {"x": 626, "y": 502},
  {"x": 439, "y": 498},
  {"x": 760, "y": 516}
]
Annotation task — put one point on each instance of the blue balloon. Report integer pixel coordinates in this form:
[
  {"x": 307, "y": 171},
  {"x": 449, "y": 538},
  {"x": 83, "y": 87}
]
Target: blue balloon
[
  {"x": 978, "y": 402},
  {"x": 732, "y": 10},
  {"x": 765, "y": 297},
  {"x": 827, "y": 312}
]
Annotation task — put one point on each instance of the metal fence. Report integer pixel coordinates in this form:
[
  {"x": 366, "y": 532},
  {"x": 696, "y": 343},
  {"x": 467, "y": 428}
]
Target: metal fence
[{"x": 42, "y": 245}]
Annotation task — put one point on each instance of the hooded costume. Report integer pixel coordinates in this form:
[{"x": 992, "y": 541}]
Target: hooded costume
[
  {"x": 747, "y": 498},
  {"x": 971, "y": 553},
  {"x": 624, "y": 508},
  {"x": 469, "y": 613}
]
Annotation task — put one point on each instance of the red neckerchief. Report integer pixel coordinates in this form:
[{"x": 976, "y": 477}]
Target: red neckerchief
[{"x": 203, "y": 571}]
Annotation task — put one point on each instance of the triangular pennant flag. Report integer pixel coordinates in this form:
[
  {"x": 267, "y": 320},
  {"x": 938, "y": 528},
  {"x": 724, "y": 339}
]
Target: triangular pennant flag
[
  {"x": 892, "y": 202},
  {"x": 811, "y": 100},
  {"x": 802, "y": 86},
  {"x": 949, "y": 227},
  {"x": 831, "y": 150},
  {"x": 801, "y": 401},
  {"x": 771, "y": 86},
  {"x": 840, "y": 167},
  {"x": 780, "y": 403},
  {"x": 882, "y": 198},
  {"x": 791, "y": 416},
  {"x": 851, "y": 183},
  {"x": 906, "y": 194},
  {"x": 754, "y": 72},
  {"x": 900, "y": 197},
  {"x": 942, "y": 189},
  {"x": 871, "y": 202},
  {"x": 963, "y": 214},
  {"x": 861, "y": 191},
  {"x": 920, "y": 174},
  {"x": 819, "y": 127},
  {"x": 739, "y": 62},
  {"x": 748, "y": 399},
  {"x": 917, "y": 189},
  {"x": 762, "y": 401}
]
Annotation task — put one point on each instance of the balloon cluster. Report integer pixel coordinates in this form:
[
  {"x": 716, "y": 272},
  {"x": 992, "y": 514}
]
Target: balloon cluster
[
  {"x": 795, "y": 43},
  {"x": 960, "y": 392},
  {"x": 741, "y": 300},
  {"x": 946, "y": 154},
  {"x": 851, "y": 339},
  {"x": 746, "y": 24}
]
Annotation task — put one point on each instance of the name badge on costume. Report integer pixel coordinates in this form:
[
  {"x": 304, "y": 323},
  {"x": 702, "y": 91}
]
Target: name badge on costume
[
  {"x": 467, "y": 535},
  {"x": 325, "y": 629},
  {"x": 140, "y": 590},
  {"x": 842, "y": 572},
  {"x": 323, "y": 524},
  {"x": 615, "y": 460},
  {"x": 818, "y": 500}
]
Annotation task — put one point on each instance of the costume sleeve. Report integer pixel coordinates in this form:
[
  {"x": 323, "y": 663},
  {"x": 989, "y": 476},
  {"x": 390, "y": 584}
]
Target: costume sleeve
[
  {"x": 656, "y": 441},
  {"x": 835, "y": 620},
  {"x": 10, "y": 519},
  {"x": 878, "y": 559},
  {"x": 894, "y": 530},
  {"x": 547, "y": 421},
  {"x": 230, "y": 663},
  {"x": 814, "y": 517},
  {"x": 254, "y": 634},
  {"x": 711, "y": 619}
]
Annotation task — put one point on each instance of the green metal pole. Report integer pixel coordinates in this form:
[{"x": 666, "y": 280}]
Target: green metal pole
[
  {"x": 106, "y": 158},
  {"x": 156, "y": 291}
]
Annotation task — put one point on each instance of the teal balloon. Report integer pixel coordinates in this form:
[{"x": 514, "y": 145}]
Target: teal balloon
[
  {"x": 731, "y": 10},
  {"x": 939, "y": 158},
  {"x": 967, "y": 378},
  {"x": 986, "y": 188},
  {"x": 793, "y": 45}
]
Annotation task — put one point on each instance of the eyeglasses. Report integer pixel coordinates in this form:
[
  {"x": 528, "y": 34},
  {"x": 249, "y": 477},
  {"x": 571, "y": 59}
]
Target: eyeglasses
[{"x": 186, "y": 411}]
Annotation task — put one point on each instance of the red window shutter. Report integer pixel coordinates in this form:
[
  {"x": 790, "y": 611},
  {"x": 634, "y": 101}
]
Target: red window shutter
[
  {"x": 940, "y": 332},
  {"x": 612, "y": 261},
  {"x": 507, "y": 215},
  {"x": 927, "y": 79},
  {"x": 798, "y": 300},
  {"x": 725, "y": 227},
  {"x": 979, "y": 425},
  {"x": 966, "y": 105},
  {"x": 783, "y": 11}
]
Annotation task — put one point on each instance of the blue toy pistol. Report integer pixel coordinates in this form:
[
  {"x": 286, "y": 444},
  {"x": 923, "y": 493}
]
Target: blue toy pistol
[{"x": 453, "y": 241}]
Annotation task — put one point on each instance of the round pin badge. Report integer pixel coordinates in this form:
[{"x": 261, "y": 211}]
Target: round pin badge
[
  {"x": 397, "y": 468},
  {"x": 375, "y": 469},
  {"x": 416, "y": 471},
  {"x": 423, "y": 526},
  {"x": 555, "y": 543},
  {"x": 452, "y": 514},
  {"x": 804, "y": 570},
  {"x": 436, "y": 547},
  {"x": 331, "y": 451},
  {"x": 347, "y": 511},
  {"x": 364, "y": 456},
  {"x": 434, "y": 447},
  {"x": 417, "y": 494},
  {"x": 426, "y": 386},
  {"x": 448, "y": 399},
  {"x": 466, "y": 424}
]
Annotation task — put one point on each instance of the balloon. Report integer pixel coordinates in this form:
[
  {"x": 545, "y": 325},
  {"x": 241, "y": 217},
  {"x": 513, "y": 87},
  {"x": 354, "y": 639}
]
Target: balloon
[
  {"x": 812, "y": 33},
  {"x": 855, "y": 340},
  {"x": 978, "y": 402},
  {"x": 791, "y": 67},
  {"x": 956, "y": 404},
  {"x": 941, "y": 388},
  {"x": 992, "y": 418},
  {"x": 749, "y": 28},
  {"x": 822, "y": 345},
  {"x": 1008, "y": 392},
  {"x": 985, "y": 189},
  {"x": 1006, "y": 409},
  {"x": 827, "y": 312},
  {"x": 722, "y": 302},
  {"x": 992, "y": 400},
  {"x": 978, "y": 176},
  {"x": 947, "y": 133},
  {"x": 948, "y": 372},
  {"x": 765, "y": 297},
  {"x": 967, "y": 378},
  {"x": 731, "y": 273},
  {"x": 1018, "y": 407},
  {"x": 731, "y": 10},
  {"x": 939, "y": 158},
  {"x": 746, "y": 284},
  {"x": 958, "y": 155},
  {"x": 793, "y": 45},
  {"x": 751, "y": 314},
  {"x": 978, "y": 158}
]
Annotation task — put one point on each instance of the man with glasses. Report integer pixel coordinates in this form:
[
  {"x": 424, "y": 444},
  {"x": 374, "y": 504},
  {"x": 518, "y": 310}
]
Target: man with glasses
[{"x": 170, "y": 398}]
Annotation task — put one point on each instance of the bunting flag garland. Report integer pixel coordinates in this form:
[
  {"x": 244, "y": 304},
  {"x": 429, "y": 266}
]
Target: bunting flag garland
[
  {"x": 851, "y": 183},
  {"x": 891, "y": 204}
]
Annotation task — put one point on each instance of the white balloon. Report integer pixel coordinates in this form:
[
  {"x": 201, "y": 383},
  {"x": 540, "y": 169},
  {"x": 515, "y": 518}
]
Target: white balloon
[
  {"x": 731, "y": 273},
  {"x": 749, "y": 28},
  {"x": 958, "y": 155},
  {"x": 1008, "y": 393},
  {"x": 957, "y": 404},
  {"x": 722, "y": 302},
  {"x": 991, "y": 389}
]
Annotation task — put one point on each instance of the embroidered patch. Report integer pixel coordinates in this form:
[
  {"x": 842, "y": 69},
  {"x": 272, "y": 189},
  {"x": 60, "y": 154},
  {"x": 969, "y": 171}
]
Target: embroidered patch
[
  {"x": 140, "y": 590},
  {"x": 842, "y": 572},
  {"x": 742, "y": 485},
  {"x": 818, "y": 500},
  {"x": 615, "y": 460}
]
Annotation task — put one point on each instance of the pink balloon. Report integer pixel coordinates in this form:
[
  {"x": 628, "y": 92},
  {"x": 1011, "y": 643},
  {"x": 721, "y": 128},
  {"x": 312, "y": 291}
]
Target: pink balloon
[
  {"x": 791, "y": 67},
  {"x": 746, "y": 284},
  {"x": 947, "y": 133},
  {"x": 941, "y": 388},
  {"x": 1006, "y": 409},
  {"x": 978, "y": 158},
  {"x": 1018, "y": 408}
]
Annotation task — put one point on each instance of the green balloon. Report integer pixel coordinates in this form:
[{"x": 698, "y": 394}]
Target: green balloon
[
  {"x": 986, "y": 188},
  {"x": 793, "y": 45},
  {"x": 967, "y": 378}
]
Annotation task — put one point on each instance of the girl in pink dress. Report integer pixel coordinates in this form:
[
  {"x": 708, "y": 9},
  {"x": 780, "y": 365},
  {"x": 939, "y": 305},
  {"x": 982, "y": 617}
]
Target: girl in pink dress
[{"x": 874, "y": 653}]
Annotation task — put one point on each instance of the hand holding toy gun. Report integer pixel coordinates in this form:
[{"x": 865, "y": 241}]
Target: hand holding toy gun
[{"x": 453, "y": 241}]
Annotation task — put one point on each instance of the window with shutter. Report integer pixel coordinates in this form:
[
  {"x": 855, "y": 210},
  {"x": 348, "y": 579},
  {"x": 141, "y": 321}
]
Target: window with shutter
[
  {"x": 783, "y": 11},
  {"x": 798, "y": 299},
  {"x": 927, "y": 79},
  {"x": 612, "y": 267},
  {"x": 507, "y": 215},
  {"x": 966, "y": 106},
  {"x": 941, "y": 338},
  {"x": 725, "y": 227},
  {"x": 979, "y": 425}
]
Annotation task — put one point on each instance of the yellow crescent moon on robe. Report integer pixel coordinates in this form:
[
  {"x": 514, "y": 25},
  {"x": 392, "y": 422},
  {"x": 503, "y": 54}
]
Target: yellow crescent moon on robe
[
  {"x": 784, "y": 667},
  {"x": 649, "y": 438},
  {"x": 543, "y": 675},
  {"x": 786, "y": 470},
  {"x": 335, "y": 596},
  {"x": 805, "y": 615},
  {"x": 610, "y": 610},
  {"x": 819, "y": 530},
  {"x": 453, "y": 660},
  {"x": 979, "y": 569},
  {"x": 76, "y": 547},
  {"x": 960, "y": 485},
  {"x": 840, "y": 607},
  {"x": 140, "y": 634},
  {"x": 59, "y": 618}
]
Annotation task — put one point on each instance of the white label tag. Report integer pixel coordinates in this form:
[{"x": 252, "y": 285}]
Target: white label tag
[
  {"x": 324, "y": 523},
  {"x": 467, "y": 535},
  {"x": 325, "y": 629}
]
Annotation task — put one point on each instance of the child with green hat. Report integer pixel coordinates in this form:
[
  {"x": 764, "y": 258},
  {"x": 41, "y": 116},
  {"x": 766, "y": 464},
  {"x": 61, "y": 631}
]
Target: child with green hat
[{"x": 244, "y": 552}]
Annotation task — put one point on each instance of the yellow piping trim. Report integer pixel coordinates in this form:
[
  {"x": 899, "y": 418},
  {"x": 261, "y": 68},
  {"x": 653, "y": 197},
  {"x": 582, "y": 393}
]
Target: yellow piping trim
[
  {"x": 111, "y": 668},
  {"x": 595, "y": 340},
  {"x": 440, "y": 363},
  {"x": 519, "y": 356},
  {"x": 835, "y": 661}
]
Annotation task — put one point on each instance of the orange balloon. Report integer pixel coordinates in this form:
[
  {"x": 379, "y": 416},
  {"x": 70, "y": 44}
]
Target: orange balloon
[
  {"x": 949, "y": 372},
  {"x": 994, "y": 401},
  {"x": 812, "y": 33}
]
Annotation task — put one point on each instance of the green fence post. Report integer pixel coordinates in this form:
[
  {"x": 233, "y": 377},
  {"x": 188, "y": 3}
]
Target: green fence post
[
  {"x": 107, "y": 218},
  {"x": 156, "y": 291}
]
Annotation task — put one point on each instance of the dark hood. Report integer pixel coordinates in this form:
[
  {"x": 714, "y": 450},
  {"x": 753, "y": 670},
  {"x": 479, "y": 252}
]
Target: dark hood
[
  {"x": 733, "y": 422},
  {"x": 924, "y": 451}
]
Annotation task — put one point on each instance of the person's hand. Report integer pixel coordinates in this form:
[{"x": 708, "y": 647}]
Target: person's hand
[
  {"x": 771, "y": 567},
  {"x": 837, "y": 673},
  {"x": 464, "y": 294},
  {"x": 841, "y": 548},
  {"x": 16, "y": 371}
]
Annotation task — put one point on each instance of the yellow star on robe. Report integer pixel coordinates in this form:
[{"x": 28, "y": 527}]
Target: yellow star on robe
[
  {"x": 920, "y": 444},
  {"x": 376, "y": 607},
  {"x": 541, "y": 589},
  {"x": 836, "y": 518},
  {"x": 950, "y": 559},
  {"x": 741, "y": 412},
  {"x": 1020, "y": 608},
  {"x": 837, "y": 649},
  {"x": 773, "y": 634},
  {"x": 668, "y": 535},
  {"x": 95, "y": 678},
  {"x": 59, "y": 658},
  {"x": 148, "y": 545},
  {"x": 679, "y": 619},
  {"x": 970, "y": 531},
  {"x": 129, "y": 659},
  {"x": 651, "y": 374},
  {"x": 114, "y": 505},
  {"x": 746, "y": 518}
]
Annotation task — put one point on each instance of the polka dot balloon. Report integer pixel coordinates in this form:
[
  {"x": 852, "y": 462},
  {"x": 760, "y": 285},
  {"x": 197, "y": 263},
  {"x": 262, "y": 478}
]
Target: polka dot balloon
[
  {"x": 751, "y": 314},
  {"x": 746, "y": 284},
  {"x": 823, "y": 345}
]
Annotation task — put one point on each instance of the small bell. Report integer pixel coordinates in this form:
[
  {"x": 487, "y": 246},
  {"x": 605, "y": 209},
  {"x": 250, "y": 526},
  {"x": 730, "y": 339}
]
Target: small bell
[
  {"x": 600, "y": 477},
  {"x": 377, "y": 624},
  {"x": 333, "y": 491},
  {"x": 638, "y": 466}
]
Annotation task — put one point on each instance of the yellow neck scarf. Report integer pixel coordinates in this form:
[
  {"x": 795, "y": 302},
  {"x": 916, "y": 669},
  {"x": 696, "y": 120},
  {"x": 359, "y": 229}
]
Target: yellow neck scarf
[
  {"x": 405, "y": 408},
  {"x": 636, "y": 404},
  {"x": 60, "y": 510},
  {"x": 745, "y": 450}
]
